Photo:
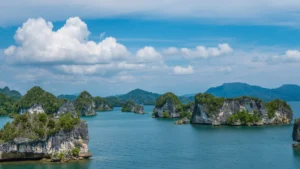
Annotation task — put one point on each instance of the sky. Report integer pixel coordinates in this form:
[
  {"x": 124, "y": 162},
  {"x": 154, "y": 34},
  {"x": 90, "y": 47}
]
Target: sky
[{"x": 110, "y": 47}]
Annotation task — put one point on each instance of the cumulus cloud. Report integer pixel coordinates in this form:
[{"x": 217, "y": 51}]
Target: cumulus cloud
[
  {"x": 37, "y": 42},
  {"x": 290, "y": 56},
  {"x": 148, "y": 54},
  {"x": 178, "y": 70},
  {"x": 200, "y": 51}
]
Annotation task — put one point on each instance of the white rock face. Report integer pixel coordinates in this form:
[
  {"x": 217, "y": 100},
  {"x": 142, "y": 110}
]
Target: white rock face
[{"x": 36, "y": 108}]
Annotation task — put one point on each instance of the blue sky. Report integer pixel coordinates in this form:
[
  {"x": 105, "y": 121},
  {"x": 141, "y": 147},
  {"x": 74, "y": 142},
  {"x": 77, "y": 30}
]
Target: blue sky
[{"x": 111, "y": 48}]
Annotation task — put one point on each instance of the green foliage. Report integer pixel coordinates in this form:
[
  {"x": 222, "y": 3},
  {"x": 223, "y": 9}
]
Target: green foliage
[
  {"x": 37, "y": 95},
  {"x": 36, "y": 126},
  {"x": 128, "y": 106},
  {"x": 76, "y": 151},
  {"x": 244, "y": 118},
  {"x": 61, "y": 155},
  {"x": 99, "y": 102},
  {"x": 6, "y": 105},
  {"x": 67, "y": 122},
  {"x": 186, "y": 114},
  {"x": 167, "y": 97},
  {"x": 274, "y": 105},
  {"x": 140, "y": 97},
  {"x": 83, "y": 100},
  {"x": 211, "y": 102},
  {"x": 166, "y": 115}
]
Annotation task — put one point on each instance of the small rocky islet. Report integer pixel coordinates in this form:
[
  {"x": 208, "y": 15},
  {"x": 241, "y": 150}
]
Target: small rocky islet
[
  {"x": 130, "y": 106},
  {"x": 210, "y": 110}
]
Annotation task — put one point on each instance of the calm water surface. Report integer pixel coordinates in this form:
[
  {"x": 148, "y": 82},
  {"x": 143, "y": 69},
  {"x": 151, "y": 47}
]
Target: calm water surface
[{"x": 129, "y": 141}]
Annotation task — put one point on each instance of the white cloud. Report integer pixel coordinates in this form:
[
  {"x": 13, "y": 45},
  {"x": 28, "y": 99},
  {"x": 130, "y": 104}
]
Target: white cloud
[
  {"x": 171, "y": 51},
  {"x": 200, "y": 51},
  {"x": 37, "y": 42},
  {"x": 178, "y": 70},
  {"x": 290, "y": 56},
  {"x": 148, "y": 54}
]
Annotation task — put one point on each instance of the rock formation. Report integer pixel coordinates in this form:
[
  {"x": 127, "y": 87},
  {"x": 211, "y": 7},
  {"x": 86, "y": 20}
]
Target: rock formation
[
  {"x": 130, "y": 106},
  {"x": 38, "y": 136},
  {"x": 102, "y": 104},
  {"x": 35, "y": 108},
  {"x": 296, "y": 133},
  {"x": 85, "y": 104},
  {"x": 66, "y": 107},
  {"x": 239, "y": 111}
]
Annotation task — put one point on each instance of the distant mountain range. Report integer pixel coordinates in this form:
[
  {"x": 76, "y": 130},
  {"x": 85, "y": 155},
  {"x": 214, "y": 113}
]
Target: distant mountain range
[
  {"x": 287, "y": 92},
  {"x": 11, "y": 93}
]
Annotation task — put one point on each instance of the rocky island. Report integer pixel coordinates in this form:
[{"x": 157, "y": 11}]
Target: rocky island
[
  {"x": 240, "y": 111},
  {"x": 296, "y": 133},
  {"x": 85, "y": 104},
  {"x": 102, "y": 104},
  {"x": 169, "y": 106},
  {"x": 46, "y": 128},
  {"x": 130, "y": 106}
]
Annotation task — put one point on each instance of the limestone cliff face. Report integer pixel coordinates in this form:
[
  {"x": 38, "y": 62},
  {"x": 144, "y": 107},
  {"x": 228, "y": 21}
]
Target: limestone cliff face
[
  {"x": 218, "y": 112},
  {"x": 60, "y": 142},
  {"x": 296, "y": 130},
  {"x": 35, "y": 108},
  {"x": 66, "y": 107},
  {"x": 169, "y": 107}
]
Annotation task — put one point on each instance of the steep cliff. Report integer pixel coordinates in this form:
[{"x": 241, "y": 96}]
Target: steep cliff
[
  {"x": 296, "y": 130},
  {"x": 37, "y": 136},
  {"x": 239, "y": 111},
  {"x": 102, "y": 104},
  {"x": 66, "y": 107},
  {"x": 130, "y": 106},
  {"x": 166, "y": 106},
  {"x": 85, "y": 104}
]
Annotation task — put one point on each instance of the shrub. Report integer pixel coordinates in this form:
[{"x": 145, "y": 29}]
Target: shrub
[
  {"x": 166, "y": 115},
  {"x": 67, "y": 122},
  {"x": 76, "y": 151},
  {"x": 185, "y": 114},
  {"x": 244, "y": 117}
]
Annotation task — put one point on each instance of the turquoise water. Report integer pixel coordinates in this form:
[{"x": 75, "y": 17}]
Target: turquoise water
[{"x": 130, "y": 141}]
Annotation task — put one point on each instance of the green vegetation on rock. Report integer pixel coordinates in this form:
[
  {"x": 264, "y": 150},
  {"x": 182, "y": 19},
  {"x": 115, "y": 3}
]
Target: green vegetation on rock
[
  {"x": 114, "y": 101},
  {"x": 6, "y": 105},
  {"x": 274, "y": 105},
  {"x": 244, "y": 118},
  {"x": 127, "y": 107},
  {"x": 36, "y": 126},
  {"x": 68, "y": 97},
  {"x": 166, "y": 115},
  {"x": 212, "y": 103},
  {"x": 83, "y": 101},
  {"x": 100, "y": 102},
  {"x": 167, "y": 97},
  {"x": 37, "y": 95}
]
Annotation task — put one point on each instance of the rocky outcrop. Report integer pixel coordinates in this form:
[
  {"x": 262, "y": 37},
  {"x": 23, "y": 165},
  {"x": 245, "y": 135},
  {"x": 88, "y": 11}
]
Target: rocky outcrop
[
  {"x": 85, "y": 104},
  {"x": 102, "y": 104},
  {"x": 130, "y": 106},
  {"x": 66, "y": 107},
  {"x": 167, "y": 106},
  {"x": 61, "y": 145},
  {"x": 239, "y": 111},
  {"x": 296, "y": 130},
  {"x": 185, "y": 120},
  {"x": 35, "y": 108}
]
